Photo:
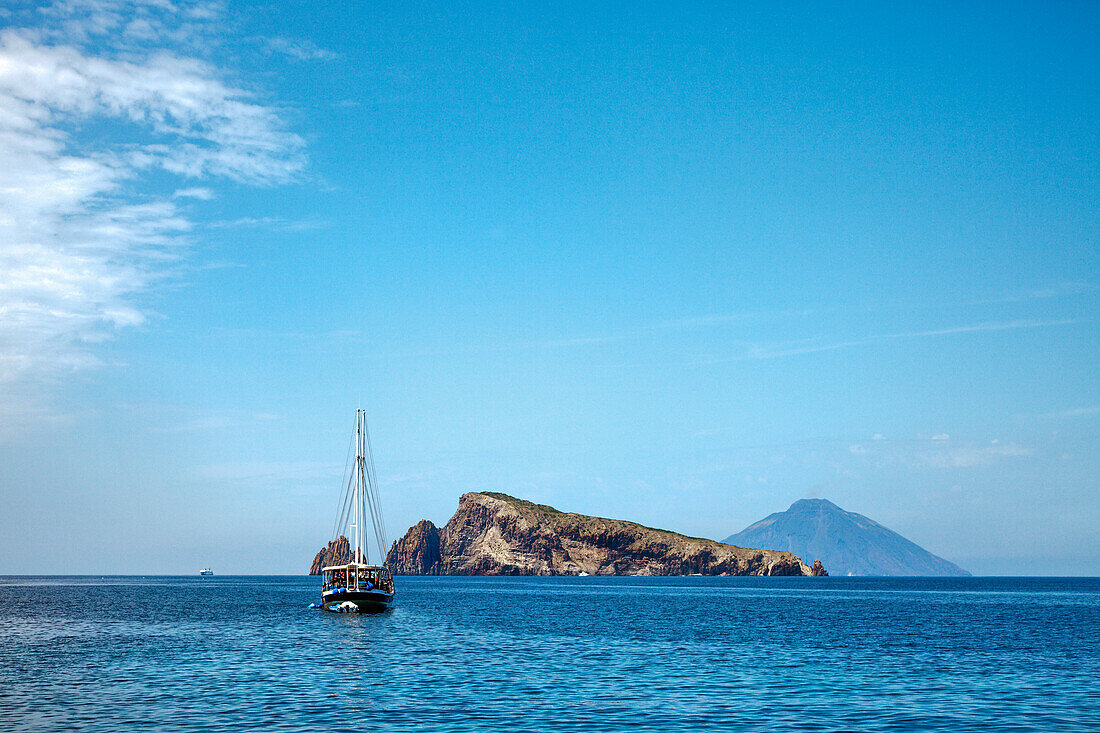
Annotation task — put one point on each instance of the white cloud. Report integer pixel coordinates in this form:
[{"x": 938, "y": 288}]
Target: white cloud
[
  {"x": 267, "y": 222},
  {"x": 966, "y": 456},
  {"x": 300, "y": 50},
  {"x": 937, "y": 452},
  {"x": 122, "y": 23},
  {"x": 203, "y": 194},
  {"x": 82, "y": 235},
  {"x": 174, "y": 419}
]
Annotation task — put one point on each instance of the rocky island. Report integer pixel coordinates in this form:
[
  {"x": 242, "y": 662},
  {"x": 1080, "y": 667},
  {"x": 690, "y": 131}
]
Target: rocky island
[
  {"x": 338, "y": 552},
  {"x": 497, "y": 534}
]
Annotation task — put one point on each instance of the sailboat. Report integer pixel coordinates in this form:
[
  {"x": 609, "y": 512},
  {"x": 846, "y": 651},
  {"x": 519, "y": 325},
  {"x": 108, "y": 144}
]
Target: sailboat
[{"x": 358, "y": 586}]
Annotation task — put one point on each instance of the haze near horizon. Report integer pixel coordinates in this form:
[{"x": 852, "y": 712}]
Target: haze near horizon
[{"x": 677, "y": 264}]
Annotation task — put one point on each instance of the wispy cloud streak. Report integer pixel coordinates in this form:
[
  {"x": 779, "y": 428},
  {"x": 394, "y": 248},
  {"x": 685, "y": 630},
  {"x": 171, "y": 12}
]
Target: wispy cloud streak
[
  {"x": 795, "y": 348},
  {"x": 937, "y": 452},
  {"x": 81, "y": 240},
  {"x": 1090, "y": 411},
  {"x": 774, "y": 350}
]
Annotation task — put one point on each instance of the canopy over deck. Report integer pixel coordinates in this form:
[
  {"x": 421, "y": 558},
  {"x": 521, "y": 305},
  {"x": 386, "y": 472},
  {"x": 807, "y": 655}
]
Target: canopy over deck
[{"x": 354, "y": 566}]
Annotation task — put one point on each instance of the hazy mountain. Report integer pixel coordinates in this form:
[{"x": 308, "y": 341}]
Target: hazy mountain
[{"x": 847, "y": 543}]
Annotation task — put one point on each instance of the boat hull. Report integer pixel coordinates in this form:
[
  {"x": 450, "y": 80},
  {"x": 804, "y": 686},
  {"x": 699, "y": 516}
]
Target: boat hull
[{"x": 367, "y": 601}]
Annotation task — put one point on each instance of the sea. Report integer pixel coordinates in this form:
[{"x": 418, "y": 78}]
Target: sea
[{"x": 246, "y": 653}]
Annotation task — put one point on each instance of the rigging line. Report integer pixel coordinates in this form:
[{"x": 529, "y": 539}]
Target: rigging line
[
  {"x": 369, "y": 479},
  {"x": 373, "y": 510},
  {"x": 363, "y": 487},
  {"x": 380, "y": 531},
  {"x": 343, "y": 519},
  {"x": 340, "y": 506},
  {"x": 383, "y": 535},
  {"x": 349, "y": 488},
  {"x": 342, "y": 516},
  {"x": 361, "y": 509},
  {"x": 368, "y": 505},
  {"x": 374, "y": 484}
]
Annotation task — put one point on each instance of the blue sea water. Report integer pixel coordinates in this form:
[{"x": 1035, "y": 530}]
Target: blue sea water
[{"x": 552, "y": 654}]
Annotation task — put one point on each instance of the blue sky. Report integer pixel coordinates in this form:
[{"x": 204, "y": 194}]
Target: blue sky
[{"x": 682, "y": 264}]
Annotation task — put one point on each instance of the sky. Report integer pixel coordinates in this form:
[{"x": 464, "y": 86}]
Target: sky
[{"x": 679, "y": 263}]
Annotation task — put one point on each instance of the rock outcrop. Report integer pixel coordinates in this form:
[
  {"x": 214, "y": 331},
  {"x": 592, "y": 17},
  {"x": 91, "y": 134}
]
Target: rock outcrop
[
  {"x": 338, "y": 552},
  {"x": 418, "y": 552},
  {"x": 496, "y": 534}
]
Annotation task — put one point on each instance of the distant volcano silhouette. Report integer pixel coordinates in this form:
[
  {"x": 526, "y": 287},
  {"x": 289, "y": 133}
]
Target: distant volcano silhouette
[{"x": 846, "y": 543}]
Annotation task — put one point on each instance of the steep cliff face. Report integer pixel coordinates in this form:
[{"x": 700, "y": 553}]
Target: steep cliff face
[
  {"x": 417, "y": 553},
  {"x": 496, "y": 534},
  {"x": 338, "y": 552}
]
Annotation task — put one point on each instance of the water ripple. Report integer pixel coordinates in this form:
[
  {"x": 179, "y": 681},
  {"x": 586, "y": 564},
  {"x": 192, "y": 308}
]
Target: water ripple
[{"x": 557, "y": 654}]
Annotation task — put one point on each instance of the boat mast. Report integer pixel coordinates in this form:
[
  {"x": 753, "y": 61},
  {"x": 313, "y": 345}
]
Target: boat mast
[
  {"x": 363, "y": 489},
  {"x": 372, "y": 501},
  {"x": 358, "y": 498}
]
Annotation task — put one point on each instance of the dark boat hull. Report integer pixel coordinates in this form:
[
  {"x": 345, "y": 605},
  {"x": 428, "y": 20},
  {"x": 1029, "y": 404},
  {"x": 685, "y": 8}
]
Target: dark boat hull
[{"x": 367, "y": 601}]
